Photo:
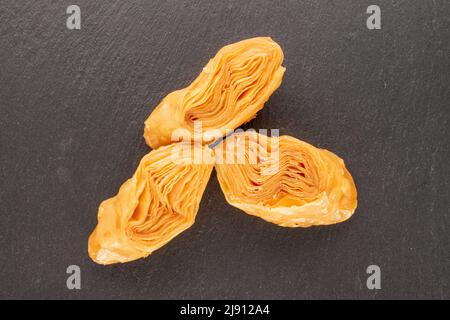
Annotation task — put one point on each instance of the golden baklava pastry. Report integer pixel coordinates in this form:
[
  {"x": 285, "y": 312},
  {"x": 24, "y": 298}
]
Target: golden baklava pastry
[
  {"x": 157, "y": 203},
  {"x": 284, "y": 180},
  {"x": 229, "y": 91}
]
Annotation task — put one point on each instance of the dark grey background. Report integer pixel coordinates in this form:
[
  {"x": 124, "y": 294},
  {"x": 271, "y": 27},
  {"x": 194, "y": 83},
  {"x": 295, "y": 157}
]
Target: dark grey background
[{"x": 73, "y": 105}]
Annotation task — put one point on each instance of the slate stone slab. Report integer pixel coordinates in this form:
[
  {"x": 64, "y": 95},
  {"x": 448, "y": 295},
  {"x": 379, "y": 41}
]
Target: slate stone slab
[{"x": 72, "y": 107}]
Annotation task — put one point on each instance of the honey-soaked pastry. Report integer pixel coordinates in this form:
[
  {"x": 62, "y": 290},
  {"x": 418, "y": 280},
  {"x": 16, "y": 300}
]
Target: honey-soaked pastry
[
  {"x": 160, "y": 201},
  {"x": 284, "y": 180},
  {"x": 230, "y": 90}
]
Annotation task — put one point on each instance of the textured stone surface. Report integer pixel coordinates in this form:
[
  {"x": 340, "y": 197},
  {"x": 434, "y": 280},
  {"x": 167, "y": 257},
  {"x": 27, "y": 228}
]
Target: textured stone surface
[{"x": 72, "y": 109}]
